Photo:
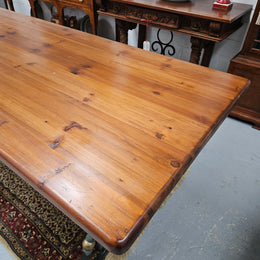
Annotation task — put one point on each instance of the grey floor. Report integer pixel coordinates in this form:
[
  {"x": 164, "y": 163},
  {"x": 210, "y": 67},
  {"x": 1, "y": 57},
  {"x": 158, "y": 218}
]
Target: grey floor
[{"x": 215, "y": 213}]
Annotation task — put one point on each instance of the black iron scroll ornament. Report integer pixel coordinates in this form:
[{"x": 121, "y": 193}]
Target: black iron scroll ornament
[{"x": 164, "y": 45}]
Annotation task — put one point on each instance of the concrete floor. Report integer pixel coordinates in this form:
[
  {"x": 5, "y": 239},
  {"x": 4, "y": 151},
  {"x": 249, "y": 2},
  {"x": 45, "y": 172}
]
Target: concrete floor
[{"x": 215, "y": 213}]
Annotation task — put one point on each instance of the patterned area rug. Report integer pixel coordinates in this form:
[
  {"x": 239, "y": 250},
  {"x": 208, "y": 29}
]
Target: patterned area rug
[{"x": 33, "y": 227}]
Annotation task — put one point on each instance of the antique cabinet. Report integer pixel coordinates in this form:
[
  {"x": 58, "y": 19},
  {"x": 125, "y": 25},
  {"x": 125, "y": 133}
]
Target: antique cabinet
[{"x": 247, "y": 64}]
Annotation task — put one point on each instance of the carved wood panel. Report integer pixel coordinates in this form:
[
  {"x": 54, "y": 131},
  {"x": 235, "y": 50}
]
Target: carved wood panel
[{"x": 137, "y": 13}]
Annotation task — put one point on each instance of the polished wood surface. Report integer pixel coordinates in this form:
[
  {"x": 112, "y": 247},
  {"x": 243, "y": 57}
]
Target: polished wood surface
[{"x": 102, "y": 129}]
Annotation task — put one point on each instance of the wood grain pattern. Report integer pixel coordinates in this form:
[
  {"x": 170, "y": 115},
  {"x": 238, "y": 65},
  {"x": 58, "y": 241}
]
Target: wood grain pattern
[{"x": 102, "y": 129}]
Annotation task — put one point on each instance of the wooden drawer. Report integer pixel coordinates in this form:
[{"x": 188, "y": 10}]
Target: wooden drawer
[
  {"x": 196, "y": 24},
  {"x": 136, "y": 14}
]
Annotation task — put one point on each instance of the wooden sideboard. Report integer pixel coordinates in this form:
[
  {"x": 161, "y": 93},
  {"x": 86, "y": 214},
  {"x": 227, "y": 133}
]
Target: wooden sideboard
[
  {"x": 247, "y": 64},
  {"x": 88, "y": 6},
  {"x": 196, "y": 18}
]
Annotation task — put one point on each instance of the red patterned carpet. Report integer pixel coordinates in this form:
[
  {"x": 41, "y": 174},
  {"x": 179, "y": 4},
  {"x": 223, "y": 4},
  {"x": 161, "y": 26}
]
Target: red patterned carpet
[{"x": 33, "y": 227}]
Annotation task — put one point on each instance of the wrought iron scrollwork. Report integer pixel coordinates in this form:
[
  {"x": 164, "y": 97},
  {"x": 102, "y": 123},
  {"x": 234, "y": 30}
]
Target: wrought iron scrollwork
[{"x": 164, "y": 45}]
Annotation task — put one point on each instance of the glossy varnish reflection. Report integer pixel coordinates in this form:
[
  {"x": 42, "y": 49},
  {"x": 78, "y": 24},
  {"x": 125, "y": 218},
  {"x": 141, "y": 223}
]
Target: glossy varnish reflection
[{"x": 103, "y": 130}]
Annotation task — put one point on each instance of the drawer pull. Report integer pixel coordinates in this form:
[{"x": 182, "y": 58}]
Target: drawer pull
[{"x": 195, "y": 27}]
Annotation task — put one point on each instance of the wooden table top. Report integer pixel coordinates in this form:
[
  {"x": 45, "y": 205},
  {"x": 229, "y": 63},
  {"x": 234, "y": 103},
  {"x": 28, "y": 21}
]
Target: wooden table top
[
  {"x": 102, "y": 129},
  {"x": 195, "y": 8}
]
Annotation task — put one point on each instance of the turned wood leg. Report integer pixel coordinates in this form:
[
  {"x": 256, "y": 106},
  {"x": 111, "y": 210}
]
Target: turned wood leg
[
  {"x": 122, "y": 28},
  {"x": 141, "y": 35},
  {"x": 88, "y": 245},
  {"x": 208, "y": 51},
  {"x": 91, "y": 249},
  {"x": 196, "y": 47},
  {"x": 6, "y": 5},
  {"x": 11, "y": 5}
]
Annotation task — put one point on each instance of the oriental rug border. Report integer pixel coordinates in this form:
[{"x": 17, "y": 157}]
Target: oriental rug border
[{"x": 32, "y": 226}]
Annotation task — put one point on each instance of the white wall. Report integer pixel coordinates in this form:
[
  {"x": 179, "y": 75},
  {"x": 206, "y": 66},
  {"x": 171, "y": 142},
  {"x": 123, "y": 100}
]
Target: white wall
[
  {"x": 223, "y": 51},
  {"x": 22, "y": 6}
]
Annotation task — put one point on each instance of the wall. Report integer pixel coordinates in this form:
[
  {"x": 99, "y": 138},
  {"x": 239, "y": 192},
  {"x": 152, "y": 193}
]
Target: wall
[{"x": 223, "y": 51}]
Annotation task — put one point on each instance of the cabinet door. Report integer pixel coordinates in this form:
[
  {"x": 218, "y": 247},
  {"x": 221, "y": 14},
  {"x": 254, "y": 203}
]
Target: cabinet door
[{"x": 248, "y": 105}]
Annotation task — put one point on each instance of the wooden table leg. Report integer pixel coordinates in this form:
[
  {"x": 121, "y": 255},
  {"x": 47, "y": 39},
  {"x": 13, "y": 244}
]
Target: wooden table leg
[
  {"x": 196, "y": 47},
  {"x": 141, "y": 35},
  {"x": 11, "y": 5},
  {"x": 33, "y": 7},
  {"x": 88, "y": 245},
  {"x": 122, "y": 28},
  {"x": 6, "y": 5},
  {"x": 60, "y": 14},
  {"x": 94, "y": 21},
  {"x": 208, "y": 51},
  {"x": 91, "y": 249}
]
